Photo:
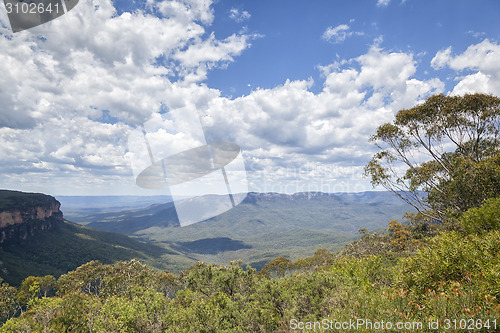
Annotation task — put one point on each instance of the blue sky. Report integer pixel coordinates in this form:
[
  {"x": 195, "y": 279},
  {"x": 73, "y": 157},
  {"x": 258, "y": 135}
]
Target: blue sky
[
  {"x": 298, "y": 85},
  {"x": 292, "y": 45}
]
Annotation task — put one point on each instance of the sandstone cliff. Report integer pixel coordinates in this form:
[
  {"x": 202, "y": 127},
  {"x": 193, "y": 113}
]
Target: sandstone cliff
[{"x": 26, "y": 214}]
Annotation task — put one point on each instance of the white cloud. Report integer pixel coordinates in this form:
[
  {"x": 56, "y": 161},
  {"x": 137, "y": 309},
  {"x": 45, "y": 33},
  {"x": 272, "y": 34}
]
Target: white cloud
[
  {"x": 477, "y": 34},
  {"x": 185, "y": 11},
  {"x": 96, "y": 75},
  {"x": 206, "y": 54},
  {"x": 92, "y": 65},
  {"x": 478, "y": 82},
  {"x": 93, "y": 59},
  {"x": 339, "y": 33},
  {"x": 288, "y": 126},
  {"x": 441, "y": 58},
  {"x": 383, "y": 3},
  {"x": 239, "y": 15},
  {"x": 481, "y": 58}
]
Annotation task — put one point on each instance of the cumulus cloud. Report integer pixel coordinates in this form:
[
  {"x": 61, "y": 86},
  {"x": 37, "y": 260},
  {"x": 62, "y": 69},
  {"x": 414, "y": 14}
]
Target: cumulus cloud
[
  {"x": 288, "y": 126},
  {"x": 441, "y": 58},
  {"x": 75, "y": 87},
  {"x": 71, "y": 98},
  {"x": 481, "y": 58},
  {"x": 204, "y": 55},
  {"x": 93, "y": 59},
  {"x": 473, "y": 83},
  {"x": 239, "y": 15}
]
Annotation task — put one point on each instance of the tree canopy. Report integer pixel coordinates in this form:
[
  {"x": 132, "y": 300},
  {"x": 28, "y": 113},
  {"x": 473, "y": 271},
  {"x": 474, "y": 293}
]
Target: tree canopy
[{"x": 442, "y": 155}]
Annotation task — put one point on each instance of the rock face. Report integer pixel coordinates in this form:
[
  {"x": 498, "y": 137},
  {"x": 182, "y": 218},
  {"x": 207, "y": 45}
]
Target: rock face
[{"x": 23, "y": 215}]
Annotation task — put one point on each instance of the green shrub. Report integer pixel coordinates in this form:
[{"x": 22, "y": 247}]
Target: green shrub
[
  {"x": 482, "y": 219},
  {"x": 452, "y": 257}
]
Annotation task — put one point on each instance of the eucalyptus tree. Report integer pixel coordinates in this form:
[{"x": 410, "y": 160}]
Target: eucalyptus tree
[{"x": 441, "y": 156}]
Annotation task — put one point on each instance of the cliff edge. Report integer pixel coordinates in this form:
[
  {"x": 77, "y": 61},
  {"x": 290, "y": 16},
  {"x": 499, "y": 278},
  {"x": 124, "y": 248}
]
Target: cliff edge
[{"x": 23, "y": 215}]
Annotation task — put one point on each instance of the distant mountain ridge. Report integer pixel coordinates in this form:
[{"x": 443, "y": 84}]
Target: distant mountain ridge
[
  {"x": 77, "y": 206},
  {"x": 164, "y": 215},
  {"x": 262, "y": 227}
]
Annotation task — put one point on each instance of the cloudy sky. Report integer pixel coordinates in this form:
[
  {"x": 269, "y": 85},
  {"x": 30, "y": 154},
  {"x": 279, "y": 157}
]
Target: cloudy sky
[{"x": 298, "y": 85}]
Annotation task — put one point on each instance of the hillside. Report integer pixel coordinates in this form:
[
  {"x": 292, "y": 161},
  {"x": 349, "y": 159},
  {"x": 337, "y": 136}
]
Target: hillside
[
  {"x": 37, "y": 241},
  {"x": 262, "y": 227},
  {"x": 70, "y": 245}
]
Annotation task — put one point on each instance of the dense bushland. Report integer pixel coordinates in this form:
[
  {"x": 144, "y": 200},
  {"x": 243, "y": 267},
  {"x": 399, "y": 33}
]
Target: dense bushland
[{"x": 453, "y": 275}]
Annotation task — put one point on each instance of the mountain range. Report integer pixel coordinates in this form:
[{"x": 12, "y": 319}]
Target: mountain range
[
  {"x": 37, "y": 240},
  {"x": 264, "y": 226}
]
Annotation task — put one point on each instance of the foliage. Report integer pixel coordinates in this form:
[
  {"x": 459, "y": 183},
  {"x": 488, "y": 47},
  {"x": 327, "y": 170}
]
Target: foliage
[
  {"x": 450, "y": 276},
  {"x": 369, "y": 244},
  {"x": 441, "y": 155},
  {"x": 121, "y": 279},
  {"x": 21, "y": 200},
  {"x": 8, "y": 301},
  {"x": 401, "y": 240},
  {"x": 452, "y": 258},
  {"x": 69, "y": 246},
  {"x": 482, "y": 219},
  {"x": 34, "y": 287},
  {"x": 278, "y": 266},
  {"x": 321, "y": 258}
]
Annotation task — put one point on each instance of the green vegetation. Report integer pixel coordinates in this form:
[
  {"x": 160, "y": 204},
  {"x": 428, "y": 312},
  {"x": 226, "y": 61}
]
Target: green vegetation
[
  {"x": 396, "y": 277},
  {"x": 446, "y": 277},
  {"x": 70, "y": 245},
  {"x": 443, "y": 272},
  {"x": 449, "y": 147},
  {"x": 264, "y": 226},
  {"x": 22, "y": 200},
  {"x": 482, "y": 219}
]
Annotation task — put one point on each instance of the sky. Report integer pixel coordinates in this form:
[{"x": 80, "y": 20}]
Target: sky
[{"x": 299, "y": 85}]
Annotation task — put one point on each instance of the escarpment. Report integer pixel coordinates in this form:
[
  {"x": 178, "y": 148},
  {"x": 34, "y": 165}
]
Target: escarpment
[{"x": 23, "y": 215}]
